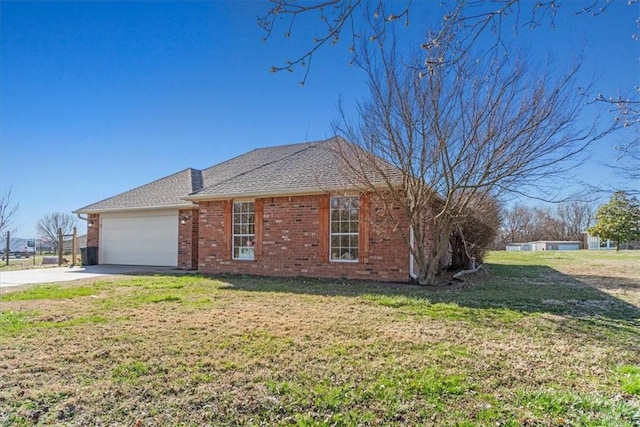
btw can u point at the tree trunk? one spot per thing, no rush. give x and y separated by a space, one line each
430 264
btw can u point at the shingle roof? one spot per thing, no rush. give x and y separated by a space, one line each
308 167
305 167
165 192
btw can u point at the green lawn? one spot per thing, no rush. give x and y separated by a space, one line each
534 339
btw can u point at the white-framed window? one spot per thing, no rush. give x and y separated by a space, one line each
244 230
344 229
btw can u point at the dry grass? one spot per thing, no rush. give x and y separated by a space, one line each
539 339
28 263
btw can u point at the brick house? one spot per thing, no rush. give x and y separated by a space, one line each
276 211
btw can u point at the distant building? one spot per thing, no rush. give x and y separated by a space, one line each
556 245
596 243
545 245
81 242
517 247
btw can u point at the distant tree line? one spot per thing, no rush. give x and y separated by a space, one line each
527 224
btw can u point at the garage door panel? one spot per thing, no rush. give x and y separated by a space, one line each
150 239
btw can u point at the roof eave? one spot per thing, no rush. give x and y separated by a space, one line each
207 197
262 194
137 209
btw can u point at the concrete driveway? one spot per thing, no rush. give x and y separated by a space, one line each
67 274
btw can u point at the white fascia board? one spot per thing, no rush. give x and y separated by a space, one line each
137 209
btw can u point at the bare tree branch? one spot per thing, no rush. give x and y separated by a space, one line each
469 19
49 224
8 212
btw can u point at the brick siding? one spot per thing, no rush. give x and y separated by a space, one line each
292 239
188 239
93 232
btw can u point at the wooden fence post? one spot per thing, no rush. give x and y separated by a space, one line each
74 247
60 246
8 247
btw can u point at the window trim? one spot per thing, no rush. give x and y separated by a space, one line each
252 249
357 234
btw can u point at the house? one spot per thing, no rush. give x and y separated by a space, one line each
595 242
277 211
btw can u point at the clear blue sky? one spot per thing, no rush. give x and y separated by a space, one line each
97 98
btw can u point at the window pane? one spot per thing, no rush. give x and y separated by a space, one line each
243 230
353 242
344 228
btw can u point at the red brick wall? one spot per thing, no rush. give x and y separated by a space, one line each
93 231
292 239
188 238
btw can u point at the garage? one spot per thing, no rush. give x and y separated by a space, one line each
141 238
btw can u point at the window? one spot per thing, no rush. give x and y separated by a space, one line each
244 233
345 214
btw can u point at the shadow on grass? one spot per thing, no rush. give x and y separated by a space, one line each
520 287
576 303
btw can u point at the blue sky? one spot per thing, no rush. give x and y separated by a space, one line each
99 97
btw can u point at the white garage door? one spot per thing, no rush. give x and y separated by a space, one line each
148 238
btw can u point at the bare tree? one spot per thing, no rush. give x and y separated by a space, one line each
518 225
481 125
576 217
8 212
627 164
546 225
49 224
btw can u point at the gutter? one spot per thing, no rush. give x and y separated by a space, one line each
137 209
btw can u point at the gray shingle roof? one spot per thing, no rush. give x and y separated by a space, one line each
308 167
165 192
297 168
